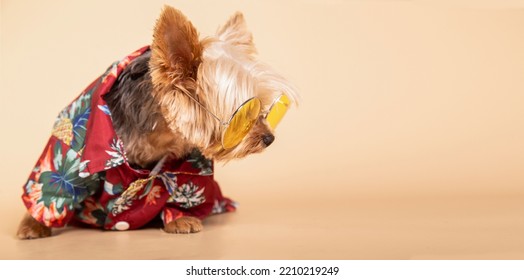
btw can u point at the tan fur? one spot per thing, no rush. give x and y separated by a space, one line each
29 228
152 147
221 72
236 33
184 225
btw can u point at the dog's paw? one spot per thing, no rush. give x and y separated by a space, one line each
184 225
30 229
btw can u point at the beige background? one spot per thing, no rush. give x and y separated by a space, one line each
409 142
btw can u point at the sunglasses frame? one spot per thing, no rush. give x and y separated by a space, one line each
266 113
226 124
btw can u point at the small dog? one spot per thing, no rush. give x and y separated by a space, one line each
140 141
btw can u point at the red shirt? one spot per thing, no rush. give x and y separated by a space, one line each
83 173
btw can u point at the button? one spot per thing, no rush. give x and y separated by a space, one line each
122 226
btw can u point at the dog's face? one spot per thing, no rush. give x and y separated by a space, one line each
200 84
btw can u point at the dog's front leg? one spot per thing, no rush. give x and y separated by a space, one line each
30 229
184 224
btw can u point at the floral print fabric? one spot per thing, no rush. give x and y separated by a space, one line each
83 174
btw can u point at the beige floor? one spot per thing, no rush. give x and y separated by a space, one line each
358 228
408 143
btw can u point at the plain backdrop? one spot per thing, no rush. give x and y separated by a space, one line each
408 142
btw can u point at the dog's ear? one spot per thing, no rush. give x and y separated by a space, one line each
235 32
176 51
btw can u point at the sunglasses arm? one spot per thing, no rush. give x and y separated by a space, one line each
204 107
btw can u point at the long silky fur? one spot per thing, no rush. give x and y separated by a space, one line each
152 111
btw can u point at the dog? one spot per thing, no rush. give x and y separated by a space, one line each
139 143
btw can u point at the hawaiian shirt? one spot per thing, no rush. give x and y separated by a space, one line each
83 174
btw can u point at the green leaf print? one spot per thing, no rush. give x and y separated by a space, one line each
63 185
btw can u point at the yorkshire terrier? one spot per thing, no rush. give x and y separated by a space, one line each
139 142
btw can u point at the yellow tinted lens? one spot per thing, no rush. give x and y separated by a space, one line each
241 123
277 111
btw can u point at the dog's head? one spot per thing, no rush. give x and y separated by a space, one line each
202 84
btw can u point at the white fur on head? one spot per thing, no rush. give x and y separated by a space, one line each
235 32
228 74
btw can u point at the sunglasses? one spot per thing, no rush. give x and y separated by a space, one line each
245 117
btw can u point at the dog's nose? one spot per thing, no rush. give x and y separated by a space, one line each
268 139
